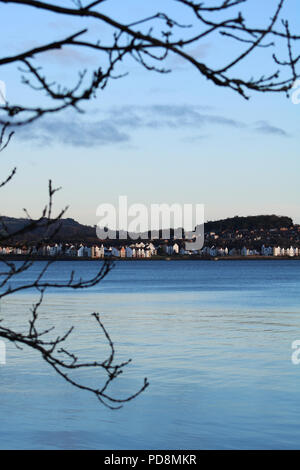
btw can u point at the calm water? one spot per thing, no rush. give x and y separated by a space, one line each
213 338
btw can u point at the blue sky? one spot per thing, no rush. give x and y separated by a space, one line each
155 138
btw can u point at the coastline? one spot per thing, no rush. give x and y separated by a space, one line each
153 258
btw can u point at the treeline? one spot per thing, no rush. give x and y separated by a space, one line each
252 222
71 231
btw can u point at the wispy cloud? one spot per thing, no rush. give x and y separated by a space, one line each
72 132
265 128
168 116
194 138
68 56
198 52
118 124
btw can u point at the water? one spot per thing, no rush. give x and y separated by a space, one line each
213 338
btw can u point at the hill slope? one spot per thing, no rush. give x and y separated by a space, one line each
74 232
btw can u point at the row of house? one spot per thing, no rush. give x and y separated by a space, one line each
137 250
264 251
145 250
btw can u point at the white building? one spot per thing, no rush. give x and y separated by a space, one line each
176 248
276 251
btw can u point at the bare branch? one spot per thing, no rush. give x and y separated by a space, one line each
143 41
52 348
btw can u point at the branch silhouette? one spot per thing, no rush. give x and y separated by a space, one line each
150 41
44 341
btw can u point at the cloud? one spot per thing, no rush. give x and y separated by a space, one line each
192 139
117 125
265 128
168 116
73 132
67 56
198 52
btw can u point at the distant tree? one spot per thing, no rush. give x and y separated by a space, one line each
161 251
249 223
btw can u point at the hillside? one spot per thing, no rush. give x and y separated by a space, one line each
74 232
69 231
255 222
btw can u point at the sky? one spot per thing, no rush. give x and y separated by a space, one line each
173 138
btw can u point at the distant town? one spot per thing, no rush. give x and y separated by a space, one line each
251 237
